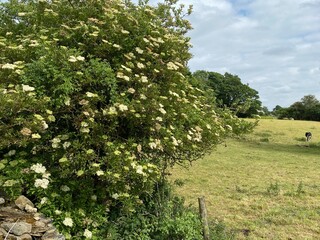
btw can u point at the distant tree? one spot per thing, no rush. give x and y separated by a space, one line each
296 111
308 108
276 108
279 112
265 111
230 92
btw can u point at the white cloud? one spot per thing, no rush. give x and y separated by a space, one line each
272 45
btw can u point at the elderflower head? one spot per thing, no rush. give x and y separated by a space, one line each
144 79
162 111
57 212
80 58
75 59
125 31
68 222
43 200
172 66
143 97
55 142
66 145
94 197
139 50
43 183
174 141
123 107
115 196
11 153
27 88
91 95
35 136
140 65
152 145
131 90
67 101
87 233
46 175
44 125
65 188
72 59
38 168
100 173
229 127
9 66
139 169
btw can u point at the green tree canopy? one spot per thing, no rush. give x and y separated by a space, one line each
230 92
308 108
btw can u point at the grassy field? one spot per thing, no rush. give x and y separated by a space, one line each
263 186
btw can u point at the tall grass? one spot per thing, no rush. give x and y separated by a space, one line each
265 185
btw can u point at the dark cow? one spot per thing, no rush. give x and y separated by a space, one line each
308 136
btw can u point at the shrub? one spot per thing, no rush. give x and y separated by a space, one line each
96 103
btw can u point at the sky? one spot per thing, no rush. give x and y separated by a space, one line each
272 45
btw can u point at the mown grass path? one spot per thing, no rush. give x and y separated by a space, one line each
265 185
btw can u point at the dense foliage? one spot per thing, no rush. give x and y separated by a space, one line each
96 104
308 108
230 92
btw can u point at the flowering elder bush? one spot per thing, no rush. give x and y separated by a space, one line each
96 103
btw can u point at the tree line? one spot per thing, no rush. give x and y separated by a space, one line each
308 108
229 92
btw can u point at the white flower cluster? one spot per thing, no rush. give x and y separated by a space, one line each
27 88
195 134
84 127
175 142
156 144
35 136
43 200
64 188
68 222
75 59
12 153
139 50
87 234
229 127
8 66
38 168
43 183
172 66
123 107
55 142
139 170
100 173
121 75
91 95
131 90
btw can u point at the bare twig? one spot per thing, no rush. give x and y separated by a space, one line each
11 229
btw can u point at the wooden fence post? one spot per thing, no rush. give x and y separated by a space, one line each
204 219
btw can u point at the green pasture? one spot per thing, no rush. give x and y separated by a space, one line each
264 185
